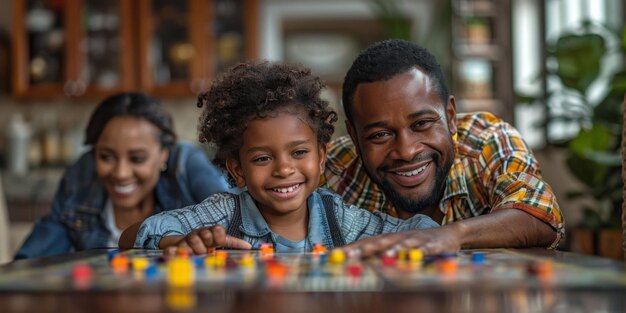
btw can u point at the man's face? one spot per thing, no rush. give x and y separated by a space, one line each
403 132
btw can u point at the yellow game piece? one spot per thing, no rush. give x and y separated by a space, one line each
180 272
247 260
402 255
337 256
220 258
210 261
140 263
416 255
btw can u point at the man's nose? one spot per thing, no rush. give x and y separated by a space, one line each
406 146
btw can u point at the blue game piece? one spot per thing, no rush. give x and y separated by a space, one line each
323 258
198 262
152 271
112 253
478 258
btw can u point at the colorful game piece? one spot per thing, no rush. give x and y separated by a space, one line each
388 260
543 268
151 272
140 264
111 254
82 275
447 266
416 255
478 258
318 248
337 256
247 260
180 272
182 252
210 261
355 270
267 249
120 263
220 258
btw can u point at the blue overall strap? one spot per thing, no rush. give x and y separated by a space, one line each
335 230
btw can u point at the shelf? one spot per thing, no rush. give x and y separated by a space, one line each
489 51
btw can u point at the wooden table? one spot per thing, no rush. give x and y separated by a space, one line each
578 284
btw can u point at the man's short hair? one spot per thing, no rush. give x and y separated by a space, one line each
386 59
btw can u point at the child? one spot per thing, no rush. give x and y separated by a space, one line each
270 127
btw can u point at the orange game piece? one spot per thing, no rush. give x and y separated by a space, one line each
182 252
120 263
319 248
447 266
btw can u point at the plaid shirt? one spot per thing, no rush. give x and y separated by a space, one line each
493 169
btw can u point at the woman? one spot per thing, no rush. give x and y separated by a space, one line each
135 168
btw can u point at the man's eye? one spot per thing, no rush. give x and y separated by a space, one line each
422 124
379 136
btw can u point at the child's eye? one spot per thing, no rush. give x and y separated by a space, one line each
261 159
300 153
105 157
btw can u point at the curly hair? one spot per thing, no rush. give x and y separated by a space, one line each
255 90
384 60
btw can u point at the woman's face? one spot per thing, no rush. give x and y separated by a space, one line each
129 159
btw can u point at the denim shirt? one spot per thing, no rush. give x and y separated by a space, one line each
218 209
77 220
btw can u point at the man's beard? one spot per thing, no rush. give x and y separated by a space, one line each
432 200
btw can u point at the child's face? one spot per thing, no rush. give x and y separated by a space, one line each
280 163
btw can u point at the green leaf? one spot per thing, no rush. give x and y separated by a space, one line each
578 58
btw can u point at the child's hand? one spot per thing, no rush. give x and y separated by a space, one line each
200 240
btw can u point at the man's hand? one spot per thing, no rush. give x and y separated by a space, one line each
200 240
505 228
431 241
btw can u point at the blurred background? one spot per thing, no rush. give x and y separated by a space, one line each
552 68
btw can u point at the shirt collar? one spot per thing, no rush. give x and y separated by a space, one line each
253 224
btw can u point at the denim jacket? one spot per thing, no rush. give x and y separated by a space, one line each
219 209
77 220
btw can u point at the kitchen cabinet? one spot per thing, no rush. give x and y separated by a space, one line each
91 48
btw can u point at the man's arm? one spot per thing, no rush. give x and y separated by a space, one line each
506 228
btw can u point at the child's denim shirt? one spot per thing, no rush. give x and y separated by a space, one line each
219 209
77 220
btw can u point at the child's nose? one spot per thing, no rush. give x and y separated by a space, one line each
283 169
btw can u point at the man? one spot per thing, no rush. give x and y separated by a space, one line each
409 153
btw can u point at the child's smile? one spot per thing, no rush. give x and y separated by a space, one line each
280 163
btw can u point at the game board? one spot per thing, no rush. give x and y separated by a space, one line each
297 272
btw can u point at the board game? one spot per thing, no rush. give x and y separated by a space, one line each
320 270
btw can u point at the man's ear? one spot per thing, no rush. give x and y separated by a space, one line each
236 172
451 115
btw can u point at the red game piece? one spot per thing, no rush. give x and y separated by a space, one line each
388 260
355 270
82 275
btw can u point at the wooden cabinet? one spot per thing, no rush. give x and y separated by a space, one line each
482 56
92 48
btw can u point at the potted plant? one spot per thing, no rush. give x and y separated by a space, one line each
593 154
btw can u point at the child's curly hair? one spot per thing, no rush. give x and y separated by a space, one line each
254 90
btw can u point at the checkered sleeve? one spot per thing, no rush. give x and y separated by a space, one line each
513 178
217 209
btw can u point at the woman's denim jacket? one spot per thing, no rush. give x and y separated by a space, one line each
77 220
